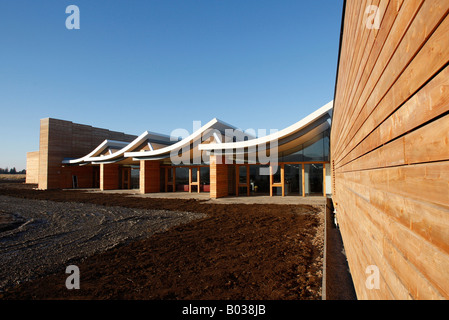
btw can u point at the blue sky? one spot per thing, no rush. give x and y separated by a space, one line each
158 65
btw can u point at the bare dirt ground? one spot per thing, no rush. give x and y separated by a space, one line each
43 235
235 251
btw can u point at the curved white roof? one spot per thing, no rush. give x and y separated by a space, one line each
101 147
318 118
213 125
286 139
95 157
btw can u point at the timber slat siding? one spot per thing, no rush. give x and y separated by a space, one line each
390 148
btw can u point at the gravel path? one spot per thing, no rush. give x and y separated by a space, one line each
48 235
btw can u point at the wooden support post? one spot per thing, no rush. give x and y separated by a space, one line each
109 176
149 176
324 179
218 177
303 181
282 180
198 177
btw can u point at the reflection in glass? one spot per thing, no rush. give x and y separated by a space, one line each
276 171
194 174
242 174
315 152
182 179
315 149
135 178
326 146
297 156
259 184
243 191
328 179
292 179
205 175
313 179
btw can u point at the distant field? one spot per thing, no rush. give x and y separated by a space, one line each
12 176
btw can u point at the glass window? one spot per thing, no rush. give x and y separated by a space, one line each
328 179
326 146
242 174
194 174
259 182
243 191
182 179
276 171
297 156
205 175
315 151
313 179
292 179
277 191
135 178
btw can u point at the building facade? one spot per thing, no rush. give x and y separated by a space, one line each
217 158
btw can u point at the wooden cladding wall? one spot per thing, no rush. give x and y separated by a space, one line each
390 148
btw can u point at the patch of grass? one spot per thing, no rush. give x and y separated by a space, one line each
18 176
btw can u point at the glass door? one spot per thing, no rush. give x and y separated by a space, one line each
204 179
277 180
313 179
170 179
242 180
125 178
293 179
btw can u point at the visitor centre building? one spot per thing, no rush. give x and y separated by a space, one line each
215 158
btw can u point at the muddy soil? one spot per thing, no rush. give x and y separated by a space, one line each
42 235
258 252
